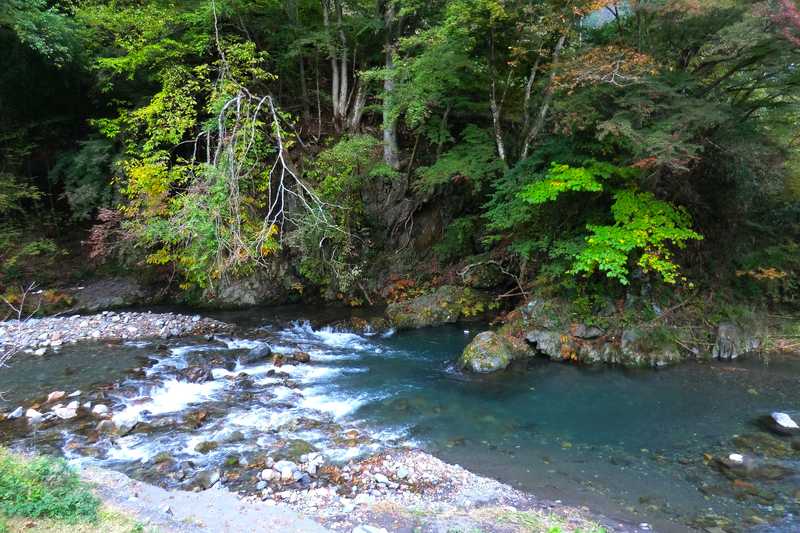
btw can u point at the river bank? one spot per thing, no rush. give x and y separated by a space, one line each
436 497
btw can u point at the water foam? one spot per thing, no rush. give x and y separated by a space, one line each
172 397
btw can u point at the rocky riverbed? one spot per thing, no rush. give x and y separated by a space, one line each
41 334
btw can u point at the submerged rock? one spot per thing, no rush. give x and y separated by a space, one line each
301 357
446 305
732 342
490 352
16 413
33 416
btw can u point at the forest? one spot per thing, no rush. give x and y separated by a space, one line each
580 147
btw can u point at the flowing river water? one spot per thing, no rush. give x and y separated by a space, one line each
632 444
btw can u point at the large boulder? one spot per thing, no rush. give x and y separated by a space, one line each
271 285
490 352
732 342
446 305
111 293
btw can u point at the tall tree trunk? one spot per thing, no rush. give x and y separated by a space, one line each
294 17
547 100
496 107
341 112
357 107
391 152
326 21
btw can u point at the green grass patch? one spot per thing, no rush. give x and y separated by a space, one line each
44 487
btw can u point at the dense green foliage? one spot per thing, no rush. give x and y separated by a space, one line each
44 487
581 144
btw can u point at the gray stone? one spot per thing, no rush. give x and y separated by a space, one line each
732 342
546 342
19 412
256 355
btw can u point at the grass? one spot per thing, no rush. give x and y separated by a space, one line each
539 522
44 487
44 494
108 521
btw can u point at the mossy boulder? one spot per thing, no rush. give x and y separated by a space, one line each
490 352
446 305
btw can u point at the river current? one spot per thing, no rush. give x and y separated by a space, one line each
638 445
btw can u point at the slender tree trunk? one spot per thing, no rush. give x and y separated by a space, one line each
494 106
526 104
548 98
326 20
390 148
357 107
304 91
341 112
294 17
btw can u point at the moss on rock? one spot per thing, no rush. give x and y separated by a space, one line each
489 352
446 305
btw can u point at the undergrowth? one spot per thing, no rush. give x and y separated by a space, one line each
44 487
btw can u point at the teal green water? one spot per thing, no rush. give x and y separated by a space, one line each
629 444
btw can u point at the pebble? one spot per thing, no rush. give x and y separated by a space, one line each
380 478
402 473
16 413
100 409
55 396
33 416
369 529
37 335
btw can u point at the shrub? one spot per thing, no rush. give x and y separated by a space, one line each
44 487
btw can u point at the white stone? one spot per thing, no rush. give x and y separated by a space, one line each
33 416
287 474
380 478
40 351
16 413
73 405
100 409
402 473
65 413
362 499
736 458
268 474
75 394
369 529
785 421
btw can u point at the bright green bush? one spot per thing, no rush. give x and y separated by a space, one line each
44 487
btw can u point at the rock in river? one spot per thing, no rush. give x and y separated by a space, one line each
257 354
781 424
489 352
